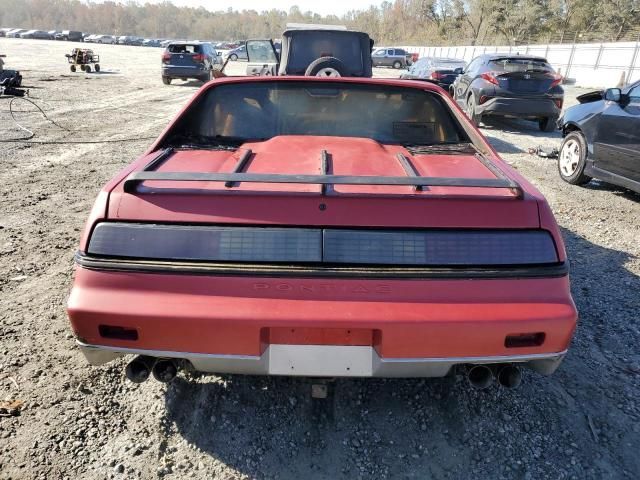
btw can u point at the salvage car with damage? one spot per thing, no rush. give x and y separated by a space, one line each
602 138
334 227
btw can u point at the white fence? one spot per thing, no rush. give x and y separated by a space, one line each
592 65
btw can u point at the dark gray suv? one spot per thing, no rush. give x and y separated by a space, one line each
188 60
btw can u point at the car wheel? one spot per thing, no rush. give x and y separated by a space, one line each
233 57
397 64
572 159
166 80
325 67
73 68
97 67
87 68
548 124
471 111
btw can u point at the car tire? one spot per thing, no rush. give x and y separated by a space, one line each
474 117
573 159
73 68
166 80
87 68
207 78
233 57
397 64
97 67
325 67
548 124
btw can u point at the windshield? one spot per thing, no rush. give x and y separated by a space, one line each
446 63
262 110
520 65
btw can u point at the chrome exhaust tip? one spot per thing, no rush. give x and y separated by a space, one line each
165 370
510 376
139 369
480 376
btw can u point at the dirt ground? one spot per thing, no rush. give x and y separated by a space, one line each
78 421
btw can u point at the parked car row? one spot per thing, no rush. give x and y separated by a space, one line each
76 36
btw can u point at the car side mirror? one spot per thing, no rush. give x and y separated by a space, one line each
459 71
613 95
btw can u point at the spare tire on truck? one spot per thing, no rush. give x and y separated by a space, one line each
325 67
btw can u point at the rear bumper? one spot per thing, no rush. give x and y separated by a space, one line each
183 72
324 361
519 107
233 323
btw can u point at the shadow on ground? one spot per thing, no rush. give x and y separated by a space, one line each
574 424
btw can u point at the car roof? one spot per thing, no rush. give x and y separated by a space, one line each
298 31
392 82
492 56
190 42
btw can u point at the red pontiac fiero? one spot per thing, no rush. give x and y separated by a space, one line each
322 227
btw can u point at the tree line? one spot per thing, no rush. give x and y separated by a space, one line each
417 22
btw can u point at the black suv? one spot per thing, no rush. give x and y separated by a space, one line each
189 60
316 52
507 85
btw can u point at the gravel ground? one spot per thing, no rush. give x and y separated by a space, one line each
69 420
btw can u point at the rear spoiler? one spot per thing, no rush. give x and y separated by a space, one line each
232 179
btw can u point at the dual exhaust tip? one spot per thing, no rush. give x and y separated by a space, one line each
482 376
141 367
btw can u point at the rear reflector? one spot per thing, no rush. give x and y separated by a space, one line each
119 333
315 245
524 340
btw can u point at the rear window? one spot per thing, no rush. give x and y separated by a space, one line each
520 65
184 48
262 110
443 62
309 46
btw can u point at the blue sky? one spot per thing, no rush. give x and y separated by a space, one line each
324 7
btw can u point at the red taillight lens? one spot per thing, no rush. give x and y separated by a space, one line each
198 57
557 80
166 57
490 77
437 76
558 102
484 98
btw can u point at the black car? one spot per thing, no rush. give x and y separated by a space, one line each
69 36
602 138
441 71
519 86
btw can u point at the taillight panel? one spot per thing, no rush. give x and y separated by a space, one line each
324 246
